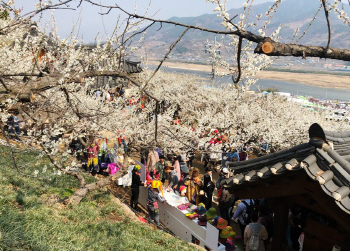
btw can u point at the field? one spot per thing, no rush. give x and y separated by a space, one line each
304 77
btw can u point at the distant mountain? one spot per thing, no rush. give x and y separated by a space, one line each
291 13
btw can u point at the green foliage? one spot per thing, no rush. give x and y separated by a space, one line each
31 217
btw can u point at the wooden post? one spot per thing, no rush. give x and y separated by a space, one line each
281 223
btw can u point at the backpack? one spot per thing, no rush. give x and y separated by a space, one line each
226 199
254 242
250 208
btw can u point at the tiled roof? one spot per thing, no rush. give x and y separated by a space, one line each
132 67
325 158
127 65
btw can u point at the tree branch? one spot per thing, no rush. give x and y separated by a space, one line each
77 79
11 150
328 25
80 193
74 174
4 85
165 57
295 50
139 32
235 81
118 74
309 25
280 49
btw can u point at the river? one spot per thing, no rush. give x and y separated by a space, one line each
282 86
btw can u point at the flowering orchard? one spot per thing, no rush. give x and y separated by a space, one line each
50 79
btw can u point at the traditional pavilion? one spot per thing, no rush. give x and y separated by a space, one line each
314 176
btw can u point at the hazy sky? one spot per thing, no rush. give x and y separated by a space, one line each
91 22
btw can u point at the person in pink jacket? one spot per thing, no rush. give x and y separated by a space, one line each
176 165
152 160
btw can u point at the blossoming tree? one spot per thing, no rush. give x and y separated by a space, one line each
50 80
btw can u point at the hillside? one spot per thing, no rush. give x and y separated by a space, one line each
292 14
33 217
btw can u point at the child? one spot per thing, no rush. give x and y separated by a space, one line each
183 190
152 202
93 158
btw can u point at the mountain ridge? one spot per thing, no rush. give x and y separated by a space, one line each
291 14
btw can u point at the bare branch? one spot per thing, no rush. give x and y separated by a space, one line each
164 21
308 27
235 81
4 85
80 2
328 25
161 26
28 16
295 50
20 75
311 51
11 149
106 13
139 32
165 57
77 79
122 75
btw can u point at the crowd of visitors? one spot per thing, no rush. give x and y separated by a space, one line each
254 218
175 173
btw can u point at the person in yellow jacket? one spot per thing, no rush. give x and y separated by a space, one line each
194 186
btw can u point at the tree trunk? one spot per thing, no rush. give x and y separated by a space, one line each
80 193
26 97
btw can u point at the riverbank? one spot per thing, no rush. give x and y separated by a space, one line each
319 80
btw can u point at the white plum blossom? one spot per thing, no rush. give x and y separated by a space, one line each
64 74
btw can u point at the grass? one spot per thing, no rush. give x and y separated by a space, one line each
31 217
